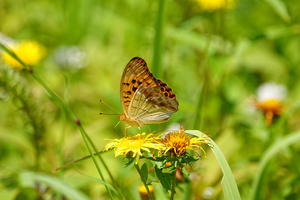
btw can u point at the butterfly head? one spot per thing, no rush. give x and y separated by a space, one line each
122 117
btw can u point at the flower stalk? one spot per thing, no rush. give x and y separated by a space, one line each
173 183
143 180
64 105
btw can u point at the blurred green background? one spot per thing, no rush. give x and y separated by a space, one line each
213 59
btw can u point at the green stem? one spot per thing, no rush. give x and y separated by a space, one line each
102 161
84 136
60 153
158 40
60 102
173 183
143 180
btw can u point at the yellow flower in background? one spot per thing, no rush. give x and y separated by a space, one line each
143 191
213 5
30 52
178 142
133 145
270 100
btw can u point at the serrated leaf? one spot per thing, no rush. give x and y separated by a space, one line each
129 162
144 170
169 169
156 159
165 179
183 169
189 159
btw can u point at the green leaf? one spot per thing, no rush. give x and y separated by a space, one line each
183 169
27 179
229 186
169 169
165 179
129 162
144 170
268 155
280 8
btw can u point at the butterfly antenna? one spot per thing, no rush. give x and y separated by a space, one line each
109 107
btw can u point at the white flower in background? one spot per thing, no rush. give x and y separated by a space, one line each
70 58
271 91
269 99
6 40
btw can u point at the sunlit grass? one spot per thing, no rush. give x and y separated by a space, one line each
214 61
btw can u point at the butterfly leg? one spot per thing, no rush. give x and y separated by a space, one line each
116 126
126 130
140 129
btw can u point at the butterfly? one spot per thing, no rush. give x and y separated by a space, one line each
145 99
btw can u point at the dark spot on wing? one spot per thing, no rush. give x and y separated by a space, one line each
126 97
134 88
165 94
133 81
162 104
162 89
128 92
172 95
139 82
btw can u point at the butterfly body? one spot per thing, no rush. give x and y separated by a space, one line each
145 99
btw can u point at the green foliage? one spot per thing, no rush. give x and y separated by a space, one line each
214 61
164 178
144 170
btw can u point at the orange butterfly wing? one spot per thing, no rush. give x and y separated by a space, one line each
144 98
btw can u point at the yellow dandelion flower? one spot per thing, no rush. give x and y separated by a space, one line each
178 142
30 52
213 5
269 100
133 145
143 191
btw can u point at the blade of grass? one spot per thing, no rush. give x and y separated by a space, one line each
137 167
75 162
229 185
28 178
268 155
280 8
60 102
158 40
